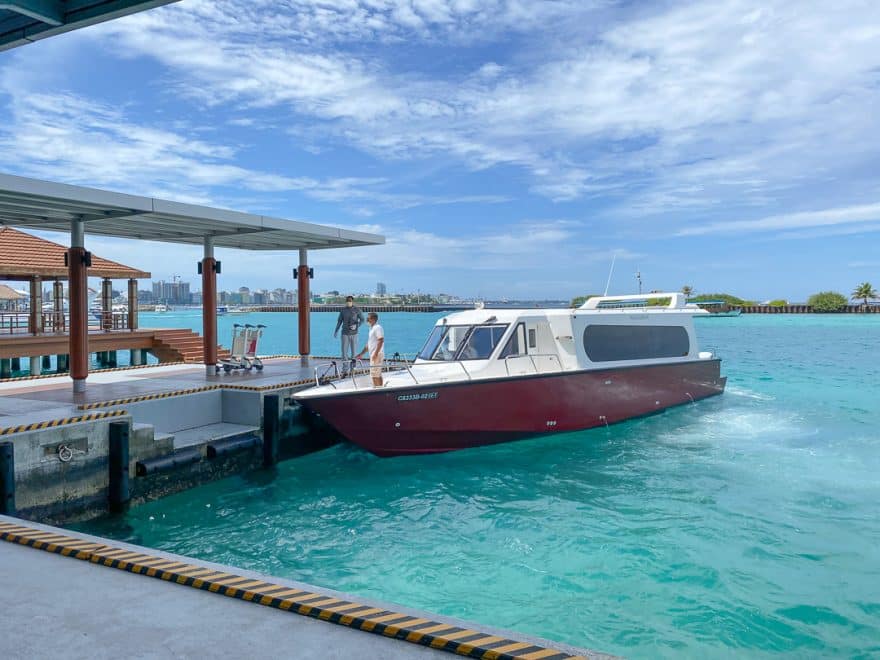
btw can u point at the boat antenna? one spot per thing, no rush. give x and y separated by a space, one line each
610 273
639 278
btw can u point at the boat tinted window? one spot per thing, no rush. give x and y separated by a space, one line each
481 342
607 343
516 345
433 342
444 342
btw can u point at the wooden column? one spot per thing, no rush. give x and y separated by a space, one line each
35 318
78 296
58 306
106 304
132 304
304 307
209 307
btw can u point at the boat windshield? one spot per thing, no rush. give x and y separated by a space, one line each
462 342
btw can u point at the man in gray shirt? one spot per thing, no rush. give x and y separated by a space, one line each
350 320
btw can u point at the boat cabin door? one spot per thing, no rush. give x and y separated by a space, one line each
537 348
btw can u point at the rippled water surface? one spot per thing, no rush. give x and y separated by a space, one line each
745 524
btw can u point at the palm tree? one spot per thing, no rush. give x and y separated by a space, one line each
864 291
687 290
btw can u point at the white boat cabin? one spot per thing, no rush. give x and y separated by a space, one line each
605 332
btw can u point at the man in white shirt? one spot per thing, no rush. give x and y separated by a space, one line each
376 347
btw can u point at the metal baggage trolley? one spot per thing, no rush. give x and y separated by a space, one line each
252 334
236 359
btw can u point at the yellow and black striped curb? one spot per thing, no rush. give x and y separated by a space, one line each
146 397
443 636
51 423
92 371
273 386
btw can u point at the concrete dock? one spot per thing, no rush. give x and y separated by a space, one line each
79 596
178 417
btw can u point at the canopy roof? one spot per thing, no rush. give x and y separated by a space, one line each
23 256
52 206
8 293
24 21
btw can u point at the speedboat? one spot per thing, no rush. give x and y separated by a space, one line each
489 376
718 308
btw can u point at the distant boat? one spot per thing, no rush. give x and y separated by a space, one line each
221 310
717 307
237 310
161 308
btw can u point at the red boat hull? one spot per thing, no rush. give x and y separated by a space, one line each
460 415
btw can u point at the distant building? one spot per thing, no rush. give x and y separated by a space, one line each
381 289
175 292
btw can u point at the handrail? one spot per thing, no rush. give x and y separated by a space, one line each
532 357
434 364
326 368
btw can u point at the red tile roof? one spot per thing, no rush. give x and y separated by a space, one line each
23 255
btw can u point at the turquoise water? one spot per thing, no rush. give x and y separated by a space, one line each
748 524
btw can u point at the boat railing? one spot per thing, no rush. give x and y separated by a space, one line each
408 366
531 356
326 374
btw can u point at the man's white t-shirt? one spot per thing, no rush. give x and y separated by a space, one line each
376 333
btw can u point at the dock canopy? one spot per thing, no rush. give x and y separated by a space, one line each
83 211
24 21
24 256
53 206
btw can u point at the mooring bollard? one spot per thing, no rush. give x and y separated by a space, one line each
119 493
271 428
7 479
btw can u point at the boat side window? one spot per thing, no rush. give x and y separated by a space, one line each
516 345
609 343
481 342
533 338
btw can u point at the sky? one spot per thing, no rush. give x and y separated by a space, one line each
505 148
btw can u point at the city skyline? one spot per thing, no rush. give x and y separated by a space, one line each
504 149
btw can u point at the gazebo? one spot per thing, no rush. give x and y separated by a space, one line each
29 258
9 298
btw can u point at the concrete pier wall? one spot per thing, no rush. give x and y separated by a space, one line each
186 427
62 472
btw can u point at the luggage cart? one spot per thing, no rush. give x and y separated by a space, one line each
236 359
252 334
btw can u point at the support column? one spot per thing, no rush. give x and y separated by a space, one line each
35 318
132 304
35 369
209 307
304 306
78 295
58 306
135 357
106 305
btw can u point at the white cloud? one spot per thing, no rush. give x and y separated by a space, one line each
692 106
66 137
864 213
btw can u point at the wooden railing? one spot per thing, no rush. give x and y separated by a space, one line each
18 323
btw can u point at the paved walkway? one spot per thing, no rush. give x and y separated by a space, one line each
62 607
26 401
59 607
